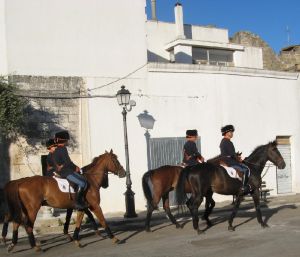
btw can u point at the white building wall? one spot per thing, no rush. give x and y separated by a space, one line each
159 34
75 37
3 56
251 57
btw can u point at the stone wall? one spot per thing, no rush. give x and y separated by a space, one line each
290 57
270 60
44 117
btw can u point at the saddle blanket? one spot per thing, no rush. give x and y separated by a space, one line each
232 172
64 185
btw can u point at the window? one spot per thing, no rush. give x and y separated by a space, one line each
212 56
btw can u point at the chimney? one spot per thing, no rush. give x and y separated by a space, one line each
153 10
179 21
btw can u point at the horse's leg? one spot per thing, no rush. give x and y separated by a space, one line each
150 208
31 217
256 199
99 214
67 223
194 210
79 219
5 228
14 237
209 206
166 205
92 220
234 211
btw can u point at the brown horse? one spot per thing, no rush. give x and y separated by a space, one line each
33 192
12 186
157 184
208 178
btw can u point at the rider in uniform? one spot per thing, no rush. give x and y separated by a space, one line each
191 155
67 169
51 146
230 157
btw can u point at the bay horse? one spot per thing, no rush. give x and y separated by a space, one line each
35 191
11 186
157 184
208 178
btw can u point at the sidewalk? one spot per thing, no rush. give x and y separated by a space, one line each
117 221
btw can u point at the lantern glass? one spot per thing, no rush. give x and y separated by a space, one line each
123 96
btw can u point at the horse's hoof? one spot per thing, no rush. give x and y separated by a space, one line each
4 240
78 244
231 228
199 231
209 224
148 230
178 225
264 225
115 240
10 248
69 238
37 248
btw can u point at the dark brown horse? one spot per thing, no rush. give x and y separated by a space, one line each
157 184
33 192
208 178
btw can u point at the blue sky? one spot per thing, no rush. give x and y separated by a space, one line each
267 18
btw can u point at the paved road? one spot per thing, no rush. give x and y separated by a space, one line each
249 239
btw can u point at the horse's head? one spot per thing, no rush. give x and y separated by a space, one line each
275 156
113 165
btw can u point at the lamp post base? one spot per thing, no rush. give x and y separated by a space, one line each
130 206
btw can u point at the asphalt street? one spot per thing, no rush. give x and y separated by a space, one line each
282 238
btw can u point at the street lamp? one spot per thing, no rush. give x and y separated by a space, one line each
123 97
147 122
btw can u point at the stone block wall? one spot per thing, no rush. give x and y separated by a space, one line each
58 108
270 60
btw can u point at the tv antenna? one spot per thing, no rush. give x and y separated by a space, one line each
288 34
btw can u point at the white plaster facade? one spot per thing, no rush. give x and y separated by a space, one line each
105 40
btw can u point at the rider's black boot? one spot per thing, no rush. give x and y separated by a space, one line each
80 201
246 187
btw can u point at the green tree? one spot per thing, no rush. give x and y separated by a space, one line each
12 110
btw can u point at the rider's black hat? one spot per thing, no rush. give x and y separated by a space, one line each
62 136
50 143
192 133
227 128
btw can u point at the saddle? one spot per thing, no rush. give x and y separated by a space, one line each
232 172
64 185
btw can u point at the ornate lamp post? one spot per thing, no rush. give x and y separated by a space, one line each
147 122
123 97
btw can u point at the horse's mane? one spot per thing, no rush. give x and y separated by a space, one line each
91 165
214 159
261 148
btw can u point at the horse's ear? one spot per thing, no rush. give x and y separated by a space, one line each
274 143
111 151
106 151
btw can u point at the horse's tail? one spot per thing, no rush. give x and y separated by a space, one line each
180 188
146 188
14 203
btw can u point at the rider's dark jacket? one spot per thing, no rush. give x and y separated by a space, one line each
228 152
50 165
191 154
61 157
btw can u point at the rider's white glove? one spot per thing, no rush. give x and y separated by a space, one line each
81 171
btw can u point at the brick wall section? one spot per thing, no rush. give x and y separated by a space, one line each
270 60
44 118
291 58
